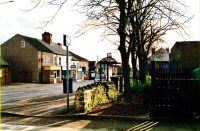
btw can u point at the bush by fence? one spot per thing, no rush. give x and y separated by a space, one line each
89 96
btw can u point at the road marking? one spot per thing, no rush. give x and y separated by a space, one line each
145 126
9 127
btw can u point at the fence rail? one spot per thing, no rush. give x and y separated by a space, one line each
175 73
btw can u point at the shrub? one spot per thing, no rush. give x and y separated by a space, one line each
140 88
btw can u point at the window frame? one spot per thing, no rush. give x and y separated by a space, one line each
23 44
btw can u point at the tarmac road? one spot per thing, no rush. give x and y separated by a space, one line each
14 123
24 91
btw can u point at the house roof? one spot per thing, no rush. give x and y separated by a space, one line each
183 43
108 60
159 55
76 57
41 45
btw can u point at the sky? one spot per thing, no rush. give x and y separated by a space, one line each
15 20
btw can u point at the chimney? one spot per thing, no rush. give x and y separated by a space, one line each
47 37
59 44
109 55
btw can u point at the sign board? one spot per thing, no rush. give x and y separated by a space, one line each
73 66
92 74
79 69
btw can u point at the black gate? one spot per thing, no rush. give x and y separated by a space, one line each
174 92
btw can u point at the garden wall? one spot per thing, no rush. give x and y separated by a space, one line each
89 96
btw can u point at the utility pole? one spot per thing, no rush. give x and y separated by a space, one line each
65 42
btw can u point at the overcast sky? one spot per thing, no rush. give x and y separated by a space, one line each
68 21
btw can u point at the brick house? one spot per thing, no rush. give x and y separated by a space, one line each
186 54
79 67
34 60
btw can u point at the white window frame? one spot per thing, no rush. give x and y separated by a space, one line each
23 44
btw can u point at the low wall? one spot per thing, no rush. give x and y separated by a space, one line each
89 96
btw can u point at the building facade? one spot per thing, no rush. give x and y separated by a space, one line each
35 60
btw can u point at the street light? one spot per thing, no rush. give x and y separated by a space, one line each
7 2
67 42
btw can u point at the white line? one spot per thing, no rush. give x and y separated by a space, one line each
149 126
138 125
143 126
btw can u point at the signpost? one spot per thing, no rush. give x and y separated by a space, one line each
66 42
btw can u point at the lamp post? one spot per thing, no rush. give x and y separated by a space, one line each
66 42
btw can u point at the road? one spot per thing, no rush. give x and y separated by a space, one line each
24 91
11 123
13 96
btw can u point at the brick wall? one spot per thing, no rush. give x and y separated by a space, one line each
21 59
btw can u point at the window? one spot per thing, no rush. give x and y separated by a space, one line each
48 59
55 61
23 44
43 59
58 73
59 60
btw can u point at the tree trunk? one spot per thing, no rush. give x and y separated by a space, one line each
142 69
122 48
126 74
134 65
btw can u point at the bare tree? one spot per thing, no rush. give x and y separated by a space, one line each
112 16
150 20
138 23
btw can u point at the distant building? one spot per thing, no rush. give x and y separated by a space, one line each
161 57
79 67
186 54
35 60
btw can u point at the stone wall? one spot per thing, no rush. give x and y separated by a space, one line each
89 96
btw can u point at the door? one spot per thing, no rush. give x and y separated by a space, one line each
55 76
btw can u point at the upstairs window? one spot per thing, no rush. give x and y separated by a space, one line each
59 60
23 44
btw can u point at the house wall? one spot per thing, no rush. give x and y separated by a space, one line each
23 61
186 54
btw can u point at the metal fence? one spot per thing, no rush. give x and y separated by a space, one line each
174 92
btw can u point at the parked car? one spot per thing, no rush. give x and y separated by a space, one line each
97 78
